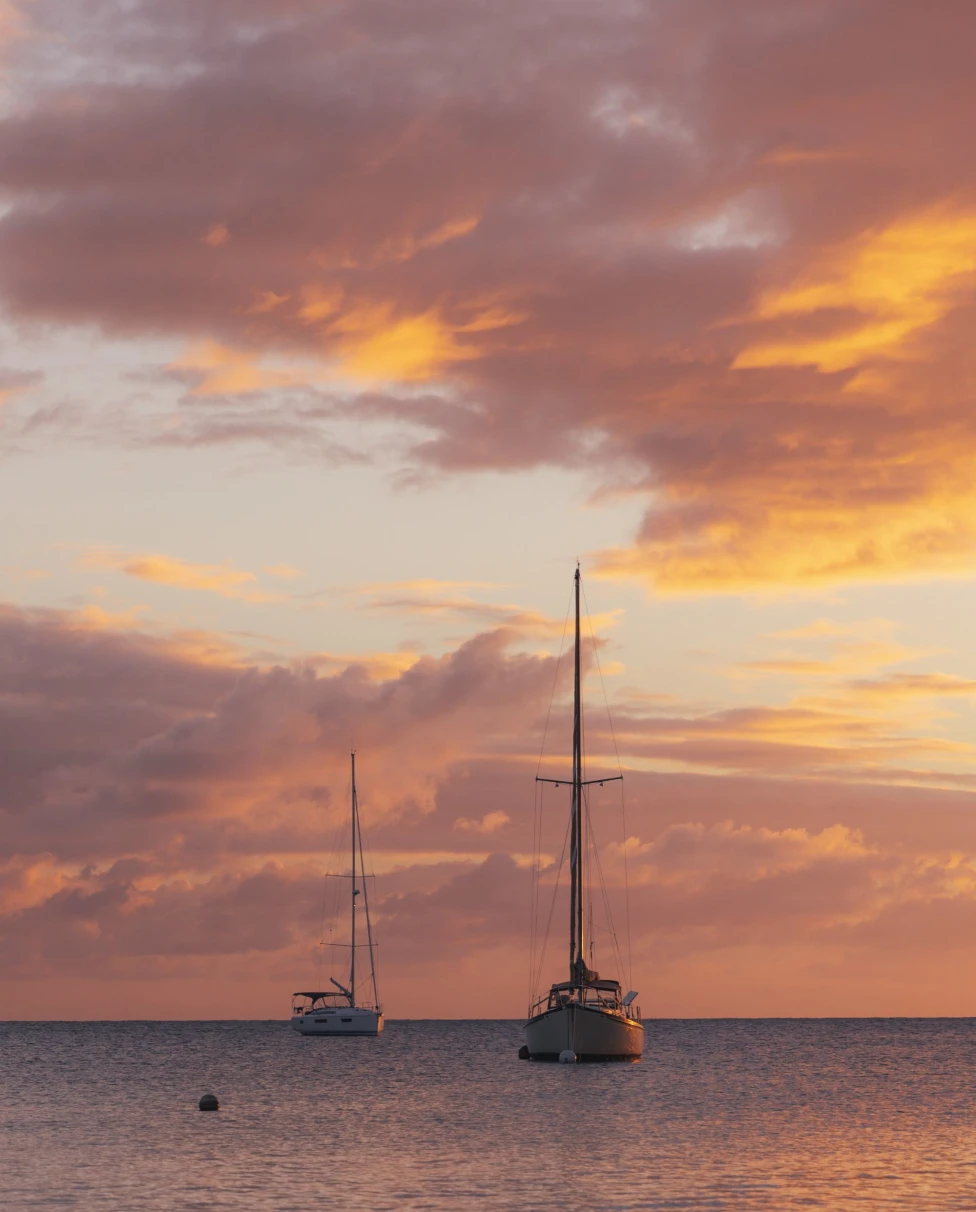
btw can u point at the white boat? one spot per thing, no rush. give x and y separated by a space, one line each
583 1018
345 1009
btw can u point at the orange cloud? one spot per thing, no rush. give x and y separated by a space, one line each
375 343
887 284
222 579
794 538
225 371
378 666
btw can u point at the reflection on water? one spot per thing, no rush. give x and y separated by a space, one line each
742 1115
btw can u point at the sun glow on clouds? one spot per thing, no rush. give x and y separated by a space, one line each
783 541
236 776
888 727
363 341
376 345
658 259
884 287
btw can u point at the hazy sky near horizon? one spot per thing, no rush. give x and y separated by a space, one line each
331 336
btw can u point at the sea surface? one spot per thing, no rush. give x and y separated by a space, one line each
739 1114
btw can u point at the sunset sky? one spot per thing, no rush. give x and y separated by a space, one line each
331 336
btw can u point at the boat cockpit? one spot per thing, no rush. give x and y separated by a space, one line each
595 994
317 1001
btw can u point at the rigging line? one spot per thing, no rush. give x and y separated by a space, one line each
371 874
335 860
552 692
630 946
537 810
332 853
552 905
623 799
611 927
603 685
537 883
325 894
369 928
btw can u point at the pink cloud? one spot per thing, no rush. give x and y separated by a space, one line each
160 810
662 247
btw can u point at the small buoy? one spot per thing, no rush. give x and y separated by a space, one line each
524 1052
209 1103
567 1057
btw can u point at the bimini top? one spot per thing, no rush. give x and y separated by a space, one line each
316 995
608 986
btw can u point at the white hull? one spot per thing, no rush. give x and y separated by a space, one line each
591 1033
339 1022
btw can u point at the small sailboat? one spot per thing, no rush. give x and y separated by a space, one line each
343 1010
583 1018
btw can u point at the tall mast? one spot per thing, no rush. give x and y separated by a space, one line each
355 890
577 953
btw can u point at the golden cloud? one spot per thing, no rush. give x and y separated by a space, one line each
378 666
793 537
374 343
885 285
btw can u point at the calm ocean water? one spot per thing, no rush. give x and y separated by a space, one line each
772 1115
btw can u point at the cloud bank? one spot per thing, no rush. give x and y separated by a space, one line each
168 814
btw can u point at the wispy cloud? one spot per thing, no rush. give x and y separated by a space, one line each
491 822
222 579
421 599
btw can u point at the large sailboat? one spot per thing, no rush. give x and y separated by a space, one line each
583 1018
346 1009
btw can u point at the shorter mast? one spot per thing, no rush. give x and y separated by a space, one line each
369 928
355 890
